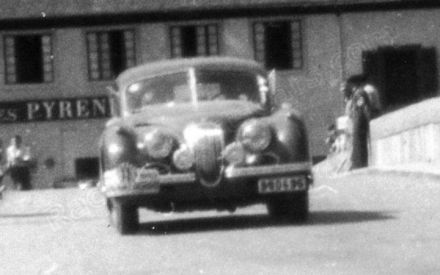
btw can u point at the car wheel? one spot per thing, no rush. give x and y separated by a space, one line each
294 208
124 217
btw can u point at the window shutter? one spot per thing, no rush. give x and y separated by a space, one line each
92 44
201 41
10 62
105 55
129 48
213 40
259 34
176 38
296 44
46 48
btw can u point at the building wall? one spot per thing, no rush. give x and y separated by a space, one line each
62 141
315 90
236 35
333 46
153 42
369 30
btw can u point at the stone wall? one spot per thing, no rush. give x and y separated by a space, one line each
409 135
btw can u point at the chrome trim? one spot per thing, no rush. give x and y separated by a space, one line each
267 170
127 192
206 140
177 178
164 180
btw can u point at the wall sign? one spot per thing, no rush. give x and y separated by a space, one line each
54 109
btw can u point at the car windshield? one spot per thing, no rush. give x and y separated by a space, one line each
195 86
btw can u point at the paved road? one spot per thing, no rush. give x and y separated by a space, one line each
360 224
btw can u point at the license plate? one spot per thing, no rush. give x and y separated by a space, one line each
282 184
147 179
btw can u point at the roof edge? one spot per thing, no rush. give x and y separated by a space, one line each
200 13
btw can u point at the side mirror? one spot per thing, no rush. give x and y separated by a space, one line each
114 100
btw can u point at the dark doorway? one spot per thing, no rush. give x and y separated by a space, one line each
401 86
87 168
403 75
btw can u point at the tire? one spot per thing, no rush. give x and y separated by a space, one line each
294 208
124 217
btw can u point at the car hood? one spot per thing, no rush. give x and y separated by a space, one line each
227 113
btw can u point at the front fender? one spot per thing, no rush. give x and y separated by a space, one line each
118 145
290 134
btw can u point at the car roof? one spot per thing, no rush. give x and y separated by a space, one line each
175 65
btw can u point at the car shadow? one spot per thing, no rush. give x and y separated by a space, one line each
245 222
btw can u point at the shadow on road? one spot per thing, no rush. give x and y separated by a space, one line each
243 222
27 215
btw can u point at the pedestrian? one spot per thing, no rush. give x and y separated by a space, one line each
361 115
18 163
358 97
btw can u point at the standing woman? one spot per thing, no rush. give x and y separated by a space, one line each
359 111
361 115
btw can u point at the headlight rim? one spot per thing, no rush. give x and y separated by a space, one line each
156 137
183 149
263 129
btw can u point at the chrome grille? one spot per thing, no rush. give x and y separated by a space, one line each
207 142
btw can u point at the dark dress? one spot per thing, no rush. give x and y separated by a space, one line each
361 112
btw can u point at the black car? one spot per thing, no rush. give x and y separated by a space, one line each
201 133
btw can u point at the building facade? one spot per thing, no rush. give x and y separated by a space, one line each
58 57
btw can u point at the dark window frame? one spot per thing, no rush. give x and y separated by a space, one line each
46 55
296 37
96 71
211 39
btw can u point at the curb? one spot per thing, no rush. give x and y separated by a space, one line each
391 171
428 172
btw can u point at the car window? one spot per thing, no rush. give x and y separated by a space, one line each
217 85
158 90
209 85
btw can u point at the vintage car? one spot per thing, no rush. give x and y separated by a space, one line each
201 133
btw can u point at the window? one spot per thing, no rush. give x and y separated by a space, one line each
28 58
109 53
191 41
278 44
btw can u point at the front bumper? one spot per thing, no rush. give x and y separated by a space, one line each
116 185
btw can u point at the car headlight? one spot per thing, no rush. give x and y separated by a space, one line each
156 144
234 153
254 135
183 158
